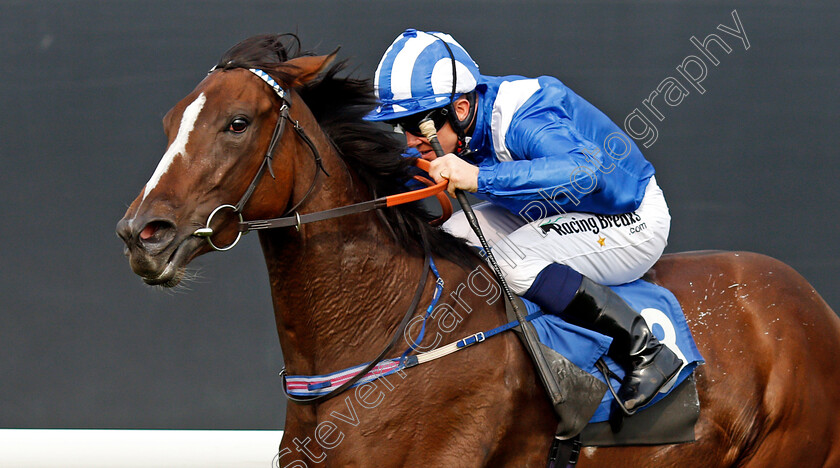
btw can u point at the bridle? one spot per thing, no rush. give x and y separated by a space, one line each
291 217
297 219
279 128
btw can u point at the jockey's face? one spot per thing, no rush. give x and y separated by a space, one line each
446 134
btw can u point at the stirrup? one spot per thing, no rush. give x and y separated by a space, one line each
616 418
601 365
609 375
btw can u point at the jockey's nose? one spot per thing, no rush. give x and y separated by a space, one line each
412 140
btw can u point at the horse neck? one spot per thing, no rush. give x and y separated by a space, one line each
340 286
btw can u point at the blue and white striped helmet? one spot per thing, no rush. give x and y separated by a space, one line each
415 74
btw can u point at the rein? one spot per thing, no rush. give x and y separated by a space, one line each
390 346
297 219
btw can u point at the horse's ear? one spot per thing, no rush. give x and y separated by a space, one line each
309 68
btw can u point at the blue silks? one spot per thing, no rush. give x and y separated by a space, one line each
584 347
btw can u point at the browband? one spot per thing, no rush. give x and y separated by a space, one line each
268 79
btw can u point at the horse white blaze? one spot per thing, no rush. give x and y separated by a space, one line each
179 145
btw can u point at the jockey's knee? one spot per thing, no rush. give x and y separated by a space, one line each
520 276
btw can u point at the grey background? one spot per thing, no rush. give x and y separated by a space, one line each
748 165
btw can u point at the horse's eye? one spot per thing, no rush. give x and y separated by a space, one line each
238 125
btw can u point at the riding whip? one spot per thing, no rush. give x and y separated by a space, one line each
427 126
574 393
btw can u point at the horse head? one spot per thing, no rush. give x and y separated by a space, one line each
219 137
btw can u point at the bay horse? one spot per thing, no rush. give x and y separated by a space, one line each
339 287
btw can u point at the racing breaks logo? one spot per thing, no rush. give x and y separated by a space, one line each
594 224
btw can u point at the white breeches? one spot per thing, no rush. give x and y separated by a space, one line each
609 249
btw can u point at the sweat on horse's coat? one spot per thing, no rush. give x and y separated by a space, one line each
767 390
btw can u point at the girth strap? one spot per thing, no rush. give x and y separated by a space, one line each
564 453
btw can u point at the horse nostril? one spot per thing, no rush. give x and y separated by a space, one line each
149 230
155 235
155 231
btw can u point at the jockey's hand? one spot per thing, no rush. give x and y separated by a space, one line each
460 174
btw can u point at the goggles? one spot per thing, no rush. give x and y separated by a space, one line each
411 123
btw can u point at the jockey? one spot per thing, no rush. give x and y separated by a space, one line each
571 203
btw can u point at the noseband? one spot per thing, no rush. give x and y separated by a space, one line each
207 232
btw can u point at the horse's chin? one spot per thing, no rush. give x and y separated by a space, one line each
170 277
173 270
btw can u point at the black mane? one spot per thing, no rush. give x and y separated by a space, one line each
340 105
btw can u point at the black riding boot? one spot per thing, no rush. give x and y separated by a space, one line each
649 364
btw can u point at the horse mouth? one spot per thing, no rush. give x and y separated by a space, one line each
174 268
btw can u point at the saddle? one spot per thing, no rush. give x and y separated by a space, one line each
576 395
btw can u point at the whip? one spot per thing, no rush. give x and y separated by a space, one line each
427 126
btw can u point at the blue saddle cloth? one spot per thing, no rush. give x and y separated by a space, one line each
584 347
